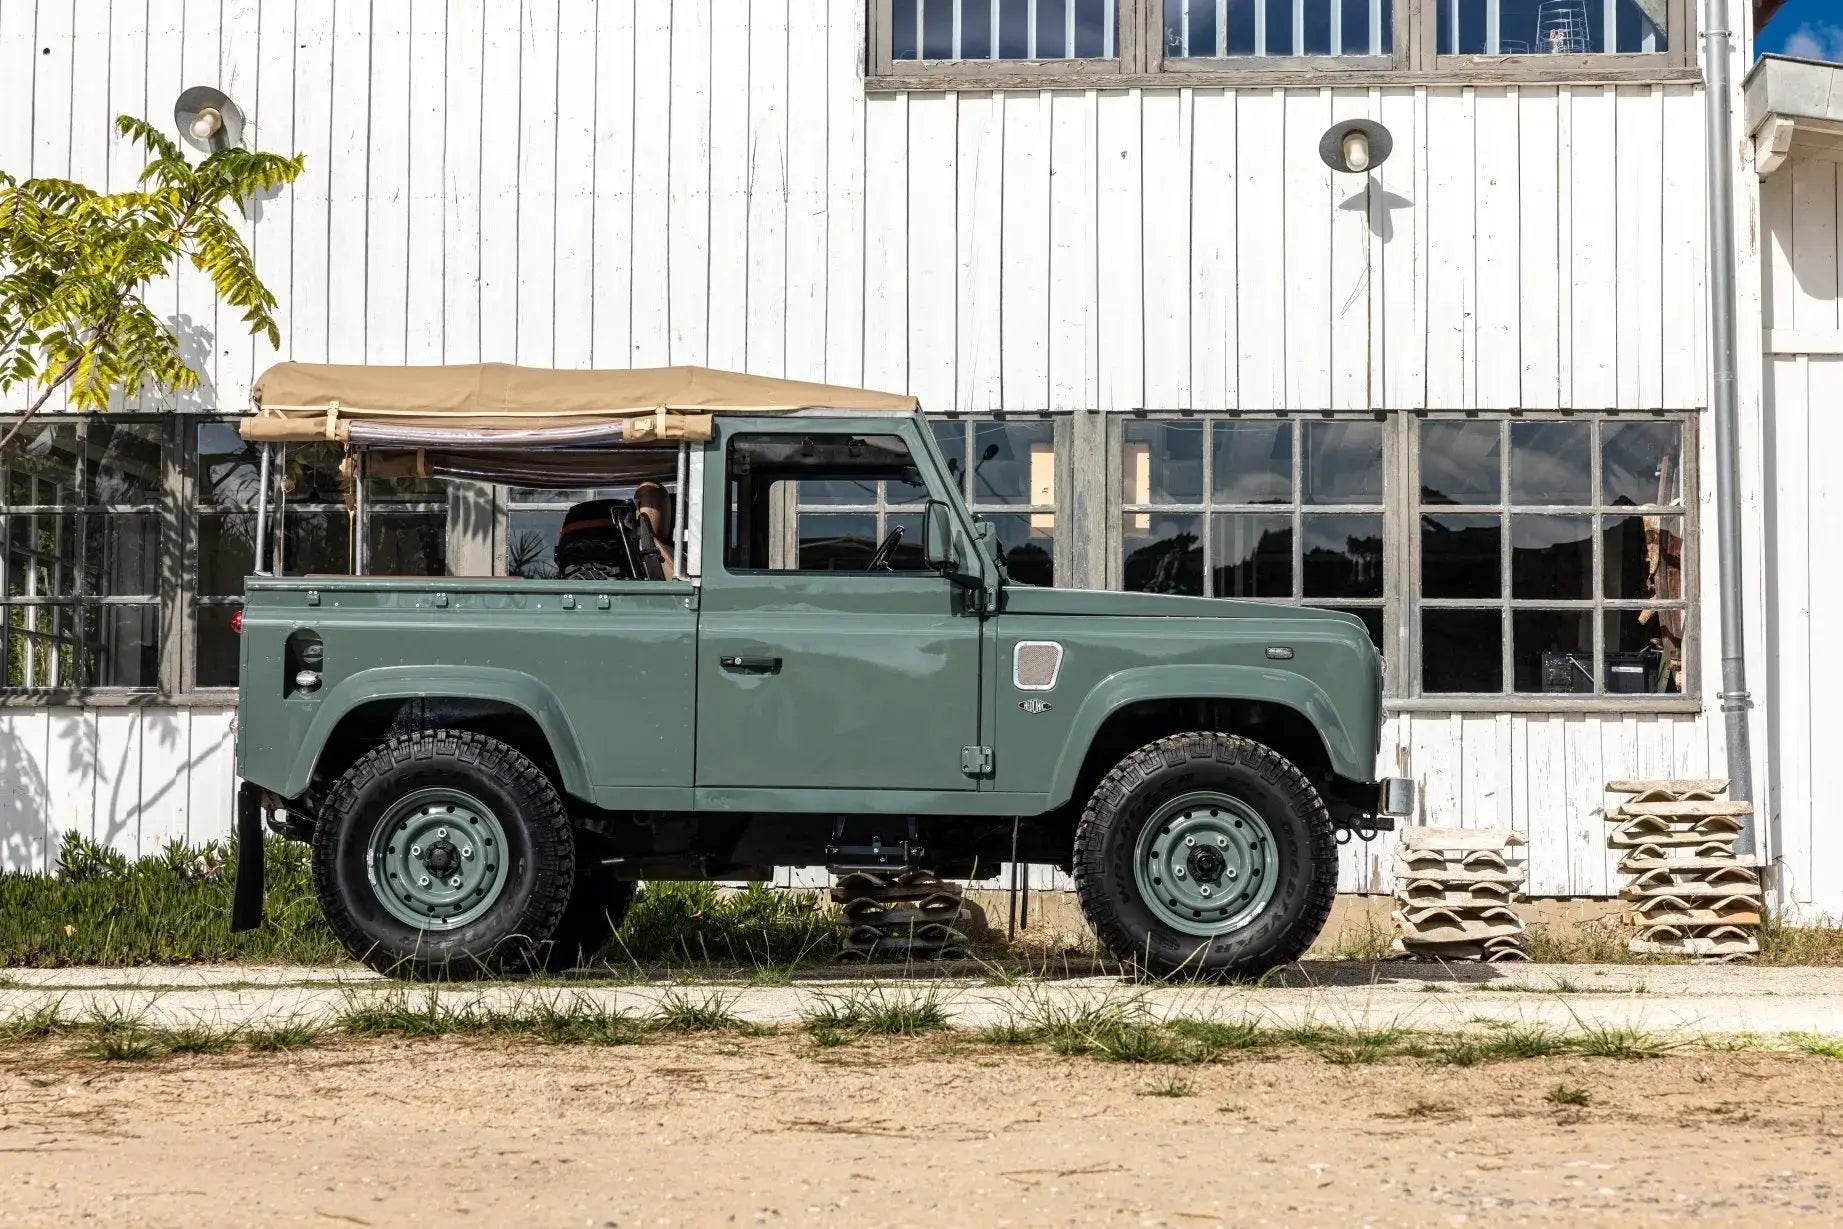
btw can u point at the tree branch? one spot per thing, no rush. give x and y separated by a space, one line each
62 378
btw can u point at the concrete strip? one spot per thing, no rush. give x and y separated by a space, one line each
1684 1001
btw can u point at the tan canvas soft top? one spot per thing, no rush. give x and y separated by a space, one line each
498 404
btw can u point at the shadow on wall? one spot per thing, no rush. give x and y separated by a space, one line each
25 804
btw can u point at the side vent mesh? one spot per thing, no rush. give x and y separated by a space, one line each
1035 664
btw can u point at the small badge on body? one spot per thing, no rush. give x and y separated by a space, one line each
1034 705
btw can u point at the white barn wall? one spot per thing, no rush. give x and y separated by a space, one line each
1802 223
563 182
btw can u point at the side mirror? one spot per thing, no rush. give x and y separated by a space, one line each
937 537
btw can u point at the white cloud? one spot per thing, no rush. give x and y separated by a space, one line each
1814 42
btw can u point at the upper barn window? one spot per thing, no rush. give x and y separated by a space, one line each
984 44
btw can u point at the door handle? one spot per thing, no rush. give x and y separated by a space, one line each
750 665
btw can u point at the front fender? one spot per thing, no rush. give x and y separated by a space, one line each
1349 740
511 687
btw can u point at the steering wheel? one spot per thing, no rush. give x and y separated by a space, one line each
880 561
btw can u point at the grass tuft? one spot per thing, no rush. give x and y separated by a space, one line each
1606 1041
113 1034
873 1010
1823 1047
1568 1095
1172 1085
280 1038
680 1013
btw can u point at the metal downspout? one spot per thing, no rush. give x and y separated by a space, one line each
1735 701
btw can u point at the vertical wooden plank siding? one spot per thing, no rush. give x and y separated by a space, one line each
1121 223
845 193
1166 204
808 146
886 246
1592 257
730 184
461 185
1539 289
766 350
1214 274
612 240
978 299
933 248
1348 363
688 176
426 294
1500 248
1260 257
1025 252
573 291
655 38
536 182
387 187
1073 240
1452 288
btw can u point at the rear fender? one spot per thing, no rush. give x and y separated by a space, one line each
1350 744
510 687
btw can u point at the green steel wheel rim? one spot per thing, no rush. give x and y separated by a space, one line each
437 859
1205 864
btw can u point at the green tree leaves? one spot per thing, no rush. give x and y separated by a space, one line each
75 264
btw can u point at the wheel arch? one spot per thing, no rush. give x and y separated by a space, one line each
1287 712
508 705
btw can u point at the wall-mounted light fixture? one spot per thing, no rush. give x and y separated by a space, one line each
1355 146
207 119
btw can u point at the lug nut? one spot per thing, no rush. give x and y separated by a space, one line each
1205 891
422 881
1230 872
467 851
441 832
1179 872
455 882
1223 841
1190 840
415 851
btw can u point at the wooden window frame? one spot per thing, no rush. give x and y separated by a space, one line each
1401 602
1413 60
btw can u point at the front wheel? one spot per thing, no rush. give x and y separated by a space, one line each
1205 854
444 854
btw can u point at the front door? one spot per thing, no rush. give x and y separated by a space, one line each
829 656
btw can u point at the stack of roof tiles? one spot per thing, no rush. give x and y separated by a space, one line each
1455 894
1688 892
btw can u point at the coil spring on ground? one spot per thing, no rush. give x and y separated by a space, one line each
900 915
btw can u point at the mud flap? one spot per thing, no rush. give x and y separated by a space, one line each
246 896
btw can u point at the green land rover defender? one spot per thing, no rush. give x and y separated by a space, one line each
486 766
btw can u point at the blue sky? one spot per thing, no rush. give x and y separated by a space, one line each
1809 28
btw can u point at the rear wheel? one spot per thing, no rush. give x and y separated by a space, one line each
1206 854
444 854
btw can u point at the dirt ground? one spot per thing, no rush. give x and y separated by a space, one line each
929 1132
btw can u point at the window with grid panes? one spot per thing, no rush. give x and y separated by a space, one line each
86 539
1288 510
1553 27
1006 470
1551 556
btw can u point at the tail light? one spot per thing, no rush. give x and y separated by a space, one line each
236 621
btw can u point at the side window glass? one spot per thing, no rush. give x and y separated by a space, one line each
824 502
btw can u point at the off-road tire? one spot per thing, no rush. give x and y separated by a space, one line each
1125 800
512 935
598 905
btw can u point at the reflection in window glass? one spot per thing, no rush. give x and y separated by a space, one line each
1253 555
1342 555
1341 463
1551 557
1460 462
1028 541
1164 553
1002 30
1462 651
1251 462
1462 556
1641 463
122 646
1551 462
1552 27
1206 29
1163 462
214 663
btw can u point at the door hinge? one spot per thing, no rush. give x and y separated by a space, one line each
976 761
